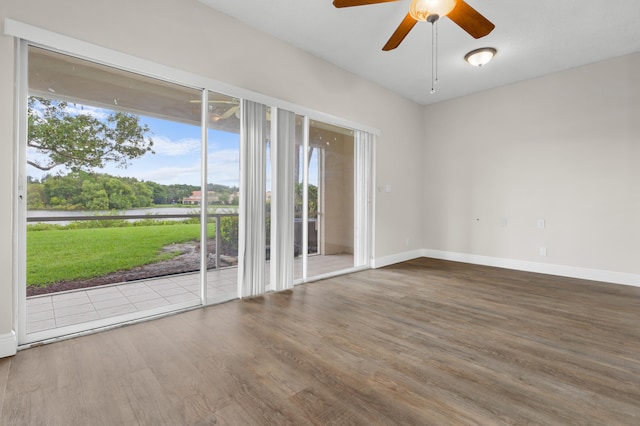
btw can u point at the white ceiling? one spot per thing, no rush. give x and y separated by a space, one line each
533 38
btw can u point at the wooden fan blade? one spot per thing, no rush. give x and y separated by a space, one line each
470 20
349 3
401 32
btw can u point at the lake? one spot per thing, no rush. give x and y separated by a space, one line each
150 211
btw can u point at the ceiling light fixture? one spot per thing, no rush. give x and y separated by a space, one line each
420 10
480 57
431 11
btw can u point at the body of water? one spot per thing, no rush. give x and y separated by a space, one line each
151 211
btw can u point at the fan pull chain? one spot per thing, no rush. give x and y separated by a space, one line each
434 51
435 25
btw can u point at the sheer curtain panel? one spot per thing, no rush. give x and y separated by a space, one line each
282 198
251 244
363 211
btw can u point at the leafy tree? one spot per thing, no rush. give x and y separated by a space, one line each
121 196
64 191
223 197
143 194
159 192
83 142
94 196
312 197
229 235
35 196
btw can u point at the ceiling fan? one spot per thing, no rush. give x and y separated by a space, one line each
221 109
458 11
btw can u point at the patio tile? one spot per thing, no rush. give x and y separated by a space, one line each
40 307
38 300
103 289
58 304
172 291
183 297
73 310
137 298
131 286
110 303
76 319
192 287
150 304
116 310
135 290
33 327
185 277
39 316
101 294
164 285
188 283
68 296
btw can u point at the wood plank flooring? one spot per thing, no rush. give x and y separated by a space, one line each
423 342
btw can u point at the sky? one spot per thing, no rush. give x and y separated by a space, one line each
176 159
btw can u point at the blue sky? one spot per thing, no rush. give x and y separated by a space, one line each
177 155
176 160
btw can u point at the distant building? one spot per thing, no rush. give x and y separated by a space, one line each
196 198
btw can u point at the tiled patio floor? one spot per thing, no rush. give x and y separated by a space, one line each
58 310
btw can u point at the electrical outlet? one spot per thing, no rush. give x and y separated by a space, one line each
542 251
541 224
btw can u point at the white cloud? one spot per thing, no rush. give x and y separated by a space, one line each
224 167
165 146
172 175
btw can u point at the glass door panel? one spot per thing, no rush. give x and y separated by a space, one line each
223 195
299 200
267 189
112 166
330 156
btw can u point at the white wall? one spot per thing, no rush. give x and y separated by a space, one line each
191 37
7 345
564 148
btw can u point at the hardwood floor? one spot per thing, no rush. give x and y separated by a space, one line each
423 342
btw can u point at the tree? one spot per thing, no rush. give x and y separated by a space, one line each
312 196
35 196
83 142
94 196
64 191
121 196
159 193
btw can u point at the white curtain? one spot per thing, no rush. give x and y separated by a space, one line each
251 235
363 206
283 126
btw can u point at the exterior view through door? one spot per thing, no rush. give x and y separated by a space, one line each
124 176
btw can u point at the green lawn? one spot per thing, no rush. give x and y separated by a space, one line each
70 254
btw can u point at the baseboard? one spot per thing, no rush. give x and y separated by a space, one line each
396 258
542 268
8 344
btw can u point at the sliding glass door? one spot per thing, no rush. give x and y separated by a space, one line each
142 197
113 181
330 158
222 196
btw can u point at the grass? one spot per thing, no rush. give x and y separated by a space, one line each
70 254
